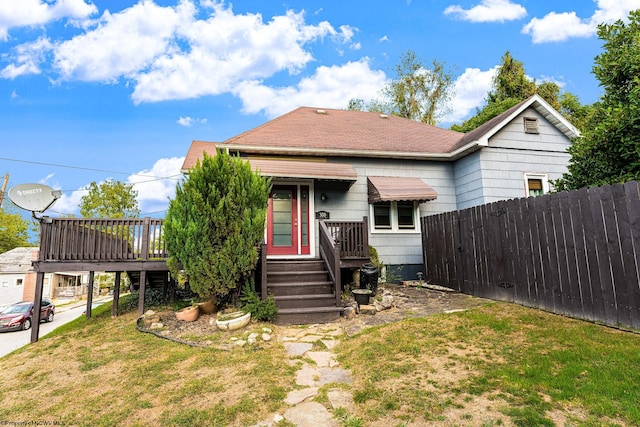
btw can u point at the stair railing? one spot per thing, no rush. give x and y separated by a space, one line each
330 253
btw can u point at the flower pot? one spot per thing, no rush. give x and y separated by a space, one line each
207 307
362 296
233 321
188 314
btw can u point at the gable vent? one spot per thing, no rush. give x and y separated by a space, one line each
531 125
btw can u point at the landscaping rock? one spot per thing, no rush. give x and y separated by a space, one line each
340 399
294 349
368 309
310 414
298 396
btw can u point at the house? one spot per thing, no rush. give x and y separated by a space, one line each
337 165
18 279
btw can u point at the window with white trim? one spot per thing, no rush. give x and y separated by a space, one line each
536 184
401 216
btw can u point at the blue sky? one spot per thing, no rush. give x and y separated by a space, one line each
98 89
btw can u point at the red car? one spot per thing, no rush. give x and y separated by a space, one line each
19 316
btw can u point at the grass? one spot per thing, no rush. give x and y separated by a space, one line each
527 367
496 365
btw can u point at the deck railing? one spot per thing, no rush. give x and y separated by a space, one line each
352 237
82 239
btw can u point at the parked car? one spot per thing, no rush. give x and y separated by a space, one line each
19 316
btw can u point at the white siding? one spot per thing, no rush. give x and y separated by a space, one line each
497 172
468 176
400 248
9 292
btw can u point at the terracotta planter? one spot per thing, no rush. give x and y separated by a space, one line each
188 314
207 307
233 321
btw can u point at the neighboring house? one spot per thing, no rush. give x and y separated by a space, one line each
18 279
346 165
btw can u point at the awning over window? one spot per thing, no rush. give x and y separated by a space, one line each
391 188
304 169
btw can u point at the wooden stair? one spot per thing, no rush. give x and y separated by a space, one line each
303 292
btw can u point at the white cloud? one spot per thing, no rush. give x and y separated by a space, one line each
155 186
23 13
558 27
227 49
189 121
27 58
555 27
471 90
185 121
154 193
69 203
122 44
488 11
330 87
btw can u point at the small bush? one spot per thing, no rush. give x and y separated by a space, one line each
261 309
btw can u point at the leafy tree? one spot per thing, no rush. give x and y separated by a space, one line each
215 224
416 92
487 113
571 108
609 149
511 81
511 86
110 199
14 231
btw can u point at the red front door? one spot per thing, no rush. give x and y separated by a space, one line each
288 220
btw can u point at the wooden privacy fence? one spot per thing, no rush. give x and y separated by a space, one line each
574 253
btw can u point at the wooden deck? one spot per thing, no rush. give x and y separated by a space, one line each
136 246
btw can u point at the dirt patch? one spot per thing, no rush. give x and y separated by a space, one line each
409 300
412 301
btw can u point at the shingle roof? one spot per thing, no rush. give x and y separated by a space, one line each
18 260
330 132
337 130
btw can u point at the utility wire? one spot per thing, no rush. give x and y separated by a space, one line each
81 168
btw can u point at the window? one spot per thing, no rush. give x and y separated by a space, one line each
531 125
394 216
18 282
536 185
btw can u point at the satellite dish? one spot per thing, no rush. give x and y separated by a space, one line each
34 197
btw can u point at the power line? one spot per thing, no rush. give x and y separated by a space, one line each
81 168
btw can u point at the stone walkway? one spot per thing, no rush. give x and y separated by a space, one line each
309 348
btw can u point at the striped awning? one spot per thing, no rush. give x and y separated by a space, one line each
391 188
304 169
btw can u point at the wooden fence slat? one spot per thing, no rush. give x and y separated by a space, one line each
632 193
602 207
575 253
618 233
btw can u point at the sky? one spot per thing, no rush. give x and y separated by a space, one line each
92 90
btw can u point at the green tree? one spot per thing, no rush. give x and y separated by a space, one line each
511 86
110 199
510 81
608 151
416 92
14 231
215 224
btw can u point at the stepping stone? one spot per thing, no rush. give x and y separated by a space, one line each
330 344
322 358
315 377
294 349
310 414
340 398
298 396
